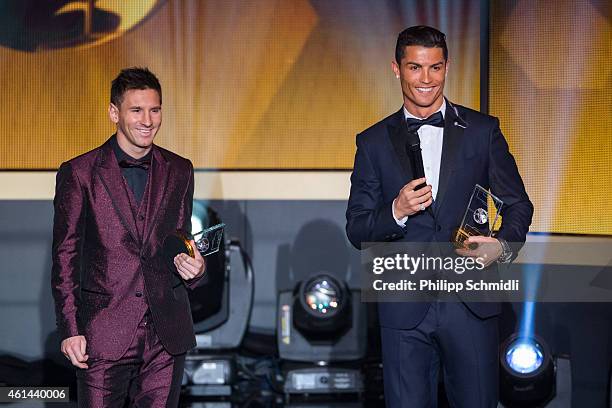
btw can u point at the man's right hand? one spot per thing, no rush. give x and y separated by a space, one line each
74 350
409 201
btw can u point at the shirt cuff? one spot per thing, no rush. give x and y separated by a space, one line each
400 222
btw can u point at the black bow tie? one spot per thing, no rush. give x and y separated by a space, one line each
434 120
130 163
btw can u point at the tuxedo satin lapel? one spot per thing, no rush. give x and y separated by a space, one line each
450 148
398 134
158 181
110 174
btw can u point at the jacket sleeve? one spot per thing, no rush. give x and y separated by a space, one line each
506 183
368 217
68 230
184 219
184 223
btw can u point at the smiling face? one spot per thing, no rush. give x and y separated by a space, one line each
138 118
422 72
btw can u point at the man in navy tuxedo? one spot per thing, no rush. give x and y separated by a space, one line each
460 148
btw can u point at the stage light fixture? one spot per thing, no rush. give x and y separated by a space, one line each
210 302
322 307
524 357
221 309
321 296
321 336
211 371
527 372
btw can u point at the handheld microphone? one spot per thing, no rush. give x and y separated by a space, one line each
413 149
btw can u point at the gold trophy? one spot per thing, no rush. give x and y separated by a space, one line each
207 242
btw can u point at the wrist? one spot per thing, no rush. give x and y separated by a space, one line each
399 219
506 252
395 211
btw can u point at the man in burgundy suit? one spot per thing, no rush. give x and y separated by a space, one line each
123 314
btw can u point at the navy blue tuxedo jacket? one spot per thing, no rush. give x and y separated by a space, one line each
474 152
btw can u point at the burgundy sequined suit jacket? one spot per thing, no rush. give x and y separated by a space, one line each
107 267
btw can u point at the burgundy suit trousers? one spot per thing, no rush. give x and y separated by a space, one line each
145 376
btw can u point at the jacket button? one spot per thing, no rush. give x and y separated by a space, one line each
143 258
438 228
141 217
138 294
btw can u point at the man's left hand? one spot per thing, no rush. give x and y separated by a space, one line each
488 250
188 267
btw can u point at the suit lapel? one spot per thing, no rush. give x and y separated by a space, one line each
109 172
453 132
398 134
158 181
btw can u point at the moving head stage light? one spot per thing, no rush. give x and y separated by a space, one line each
323 322
221 309
527 372
322 309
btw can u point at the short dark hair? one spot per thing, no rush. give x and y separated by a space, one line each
133 78
420 35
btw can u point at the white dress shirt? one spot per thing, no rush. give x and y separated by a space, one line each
431 138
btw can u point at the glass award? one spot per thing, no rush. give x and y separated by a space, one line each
207 242
481 216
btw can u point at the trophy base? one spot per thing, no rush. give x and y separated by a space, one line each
177 243
460 236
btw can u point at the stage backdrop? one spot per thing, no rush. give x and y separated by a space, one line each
256 84
551 75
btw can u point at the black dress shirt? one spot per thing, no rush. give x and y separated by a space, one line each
135 177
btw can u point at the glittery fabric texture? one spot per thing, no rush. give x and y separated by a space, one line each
146 376
107 265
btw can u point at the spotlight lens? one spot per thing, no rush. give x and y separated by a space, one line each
524 356
322 296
